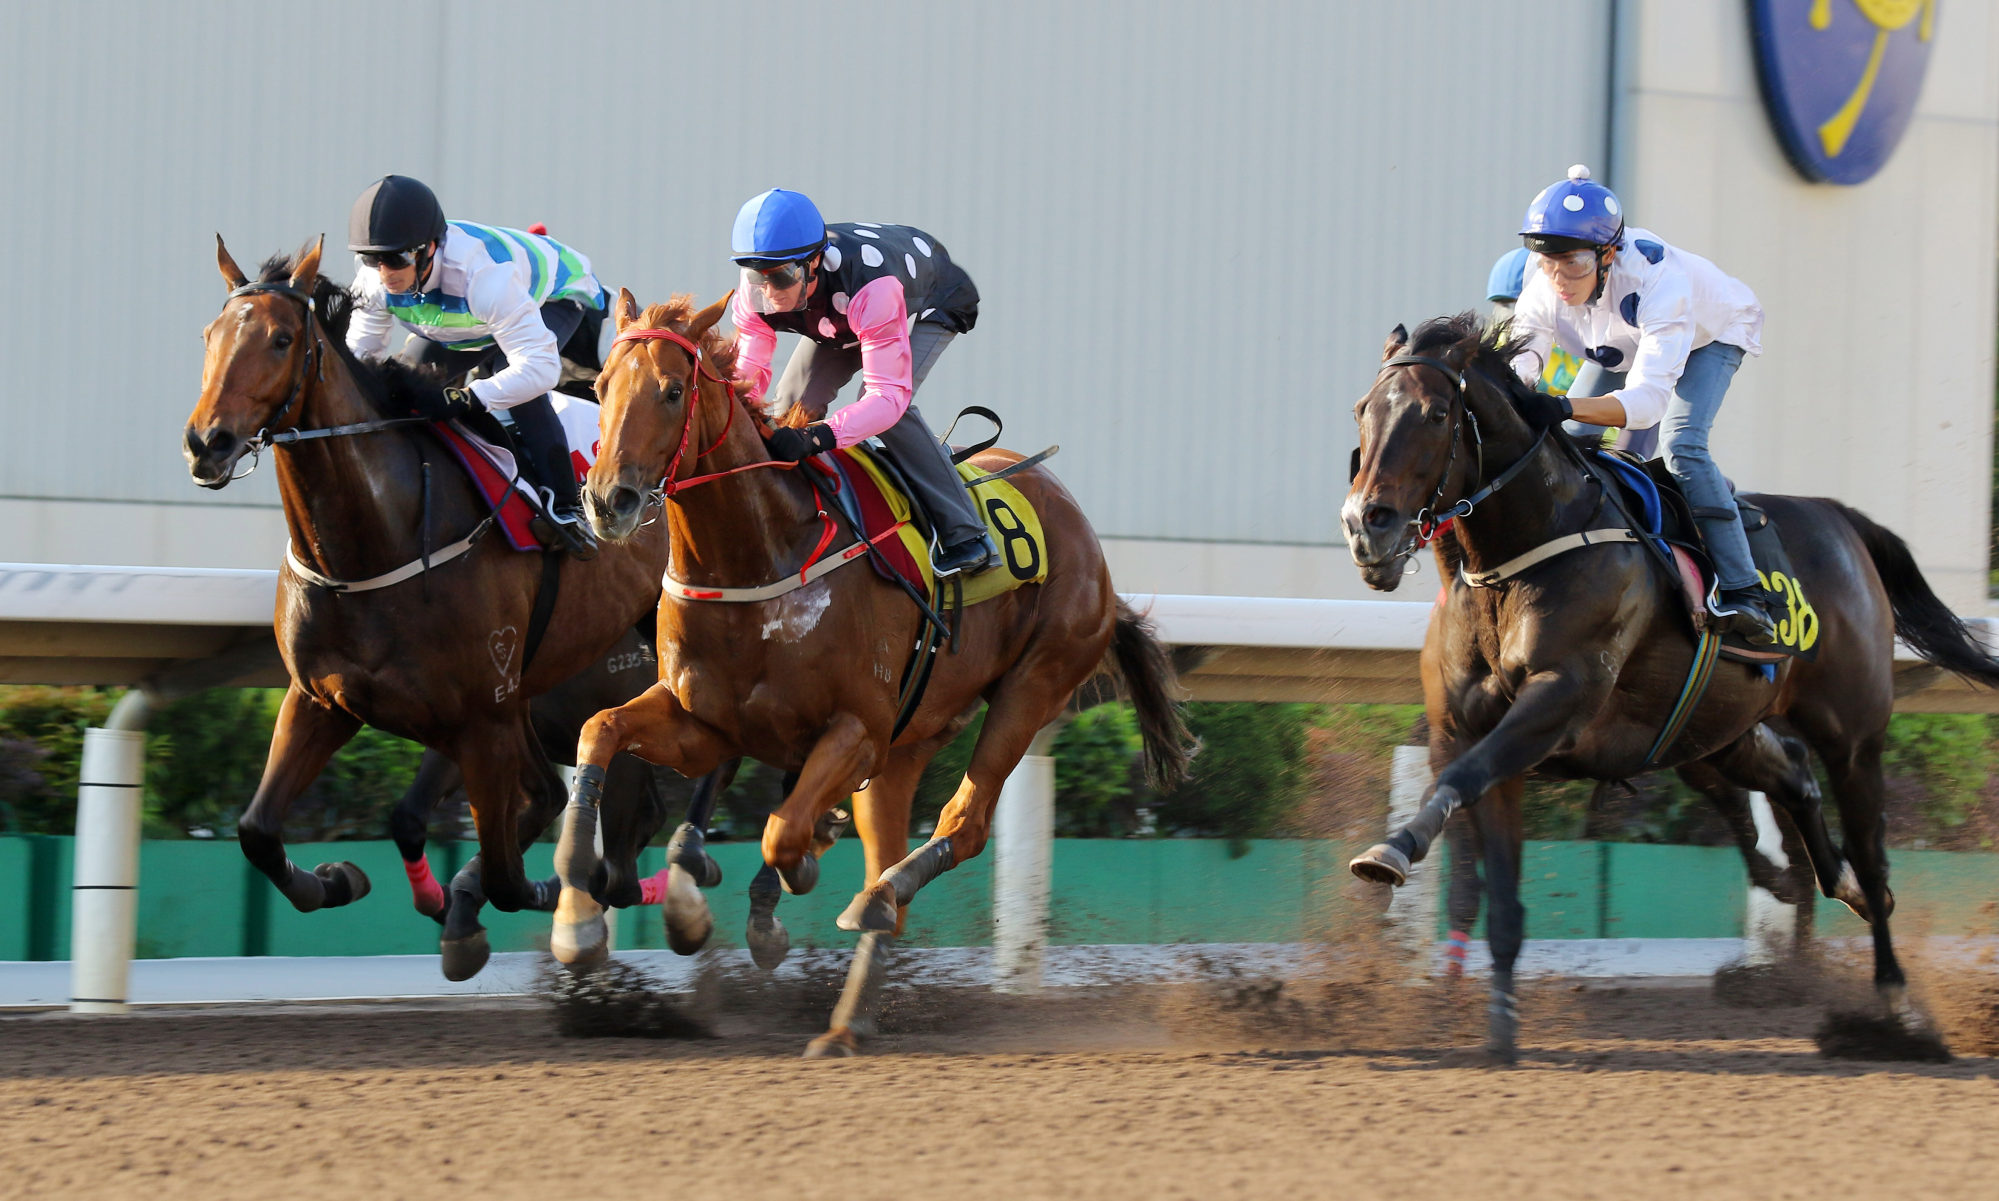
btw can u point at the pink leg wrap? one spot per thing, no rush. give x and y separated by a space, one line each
424 888
652 889
1454 953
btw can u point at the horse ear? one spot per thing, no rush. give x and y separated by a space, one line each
705 319
626 310
307 272
231 273
1397 339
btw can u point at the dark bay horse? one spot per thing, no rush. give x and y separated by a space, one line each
806 682
1571 667
436 658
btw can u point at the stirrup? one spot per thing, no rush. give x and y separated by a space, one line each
941 567
1745 616
570 532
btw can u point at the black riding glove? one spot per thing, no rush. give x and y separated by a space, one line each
790 445
442 404
1543 410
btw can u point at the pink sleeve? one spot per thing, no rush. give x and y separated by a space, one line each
756 342
880 319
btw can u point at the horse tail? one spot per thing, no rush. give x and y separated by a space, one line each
1921 620
1145 673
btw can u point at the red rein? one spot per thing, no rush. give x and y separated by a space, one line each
671 486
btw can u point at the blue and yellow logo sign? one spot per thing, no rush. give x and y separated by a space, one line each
1841 77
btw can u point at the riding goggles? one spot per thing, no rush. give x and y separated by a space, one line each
395 261
1574 265
778 288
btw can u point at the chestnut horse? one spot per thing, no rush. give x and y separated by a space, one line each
807 682
435 658
1572 665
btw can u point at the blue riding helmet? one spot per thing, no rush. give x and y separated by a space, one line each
1572 215
1509 275
777 227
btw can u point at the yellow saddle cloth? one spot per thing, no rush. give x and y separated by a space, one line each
1012 521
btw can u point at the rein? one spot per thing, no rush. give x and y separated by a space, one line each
669 486
264 438
1428 522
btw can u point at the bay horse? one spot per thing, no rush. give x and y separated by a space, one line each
436 658
1572 666
806 682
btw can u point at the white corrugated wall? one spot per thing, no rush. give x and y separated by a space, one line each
1192 223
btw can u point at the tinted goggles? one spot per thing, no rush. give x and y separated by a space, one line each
394 261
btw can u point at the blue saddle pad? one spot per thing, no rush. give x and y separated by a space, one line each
1651 512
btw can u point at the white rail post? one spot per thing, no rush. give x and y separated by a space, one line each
1023 859
1769 927
104 892
1412 910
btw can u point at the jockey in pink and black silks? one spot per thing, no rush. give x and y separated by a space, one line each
880 300
1663 331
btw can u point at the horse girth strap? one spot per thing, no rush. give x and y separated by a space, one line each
1706 649
1548 550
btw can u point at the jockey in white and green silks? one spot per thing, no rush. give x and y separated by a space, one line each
472 296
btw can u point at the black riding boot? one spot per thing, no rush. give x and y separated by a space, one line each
542 437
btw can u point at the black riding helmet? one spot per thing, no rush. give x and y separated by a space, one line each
394 214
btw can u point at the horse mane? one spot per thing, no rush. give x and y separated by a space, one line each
677 314
1468 340
387 383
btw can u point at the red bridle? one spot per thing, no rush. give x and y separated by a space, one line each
669 486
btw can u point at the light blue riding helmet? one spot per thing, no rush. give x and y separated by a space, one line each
777 227
1572 215
1509 275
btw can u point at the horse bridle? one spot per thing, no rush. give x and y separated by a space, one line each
1428 521
668 485
263 438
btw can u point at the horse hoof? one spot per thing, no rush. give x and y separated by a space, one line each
1381 864
688 921
834 1044
342 876
579 936
801 879
873 910
769 942
462 958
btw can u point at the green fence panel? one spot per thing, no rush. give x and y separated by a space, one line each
17 900
203 898
1936 892
1562 886
190 899
51 870
1675 892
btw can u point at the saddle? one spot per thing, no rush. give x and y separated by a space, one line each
507 477
872 494
1653 499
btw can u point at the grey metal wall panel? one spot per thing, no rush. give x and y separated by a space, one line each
1192 224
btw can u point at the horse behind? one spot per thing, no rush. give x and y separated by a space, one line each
807 681
1572 666
439 658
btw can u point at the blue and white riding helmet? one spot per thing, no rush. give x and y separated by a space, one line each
1570 224
776 234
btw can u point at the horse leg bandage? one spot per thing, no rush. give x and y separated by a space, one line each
576 855
929 862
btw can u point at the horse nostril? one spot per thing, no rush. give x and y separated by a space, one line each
1378 518
624 499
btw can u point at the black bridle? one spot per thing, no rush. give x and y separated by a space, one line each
310 361
1428 521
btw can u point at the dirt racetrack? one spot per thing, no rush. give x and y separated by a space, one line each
1237 1089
